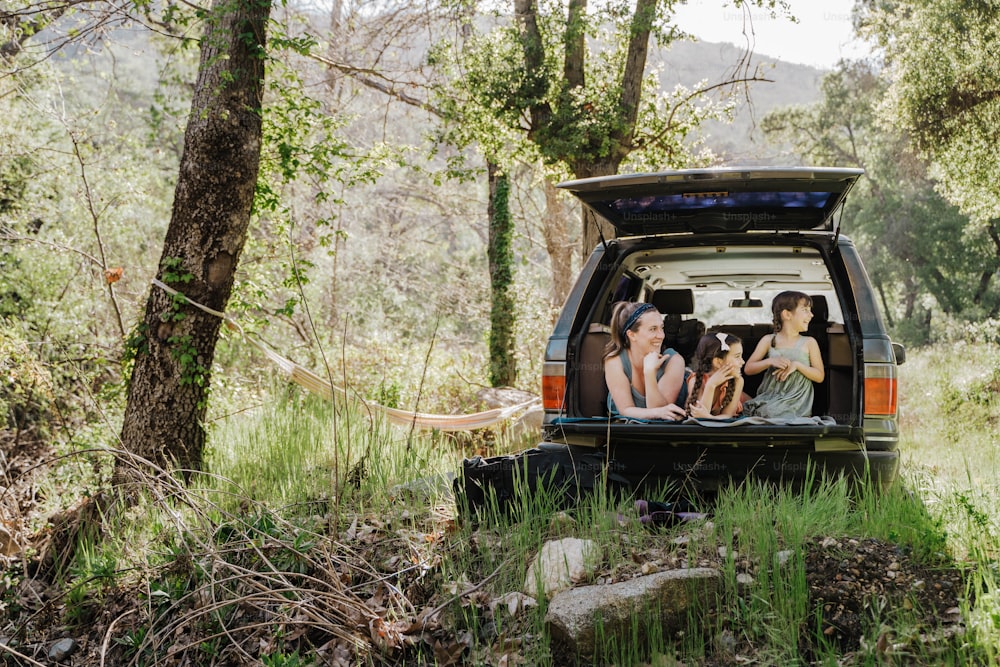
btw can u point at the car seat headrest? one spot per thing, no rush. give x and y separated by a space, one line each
820 308
673 301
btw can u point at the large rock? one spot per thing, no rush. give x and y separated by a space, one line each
528 424
579 618
560 564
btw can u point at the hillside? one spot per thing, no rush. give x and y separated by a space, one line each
741 141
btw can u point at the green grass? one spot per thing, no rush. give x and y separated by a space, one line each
307 509
286 456
950 412
300 453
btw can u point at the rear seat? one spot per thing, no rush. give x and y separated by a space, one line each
678 333
592 391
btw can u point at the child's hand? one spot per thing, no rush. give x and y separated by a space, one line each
784 368
699 411
726 372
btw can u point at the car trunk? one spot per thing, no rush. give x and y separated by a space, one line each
718 200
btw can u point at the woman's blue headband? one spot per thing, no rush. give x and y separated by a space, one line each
634 317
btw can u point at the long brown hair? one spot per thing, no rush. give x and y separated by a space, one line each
710 348
788 300
621 314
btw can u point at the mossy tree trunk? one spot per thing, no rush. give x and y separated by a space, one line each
174 345
503 365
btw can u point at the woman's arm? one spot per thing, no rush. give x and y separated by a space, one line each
663 392
621 393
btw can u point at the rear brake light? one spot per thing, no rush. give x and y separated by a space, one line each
880 389
553 386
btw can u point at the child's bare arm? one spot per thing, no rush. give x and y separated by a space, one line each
758 361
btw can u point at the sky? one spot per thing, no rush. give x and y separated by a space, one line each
821 37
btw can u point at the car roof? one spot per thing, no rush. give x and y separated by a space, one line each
720 199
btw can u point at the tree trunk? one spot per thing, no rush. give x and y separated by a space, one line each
593 227
175 345
503 365
557 244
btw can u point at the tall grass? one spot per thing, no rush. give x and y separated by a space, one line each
950 410
299 457
299 451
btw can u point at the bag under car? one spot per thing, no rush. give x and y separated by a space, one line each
509 485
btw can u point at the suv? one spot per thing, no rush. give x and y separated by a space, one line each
710 248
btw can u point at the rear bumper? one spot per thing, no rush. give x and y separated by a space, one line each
707 468
704 458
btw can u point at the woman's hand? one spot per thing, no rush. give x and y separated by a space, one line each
652 362
670 412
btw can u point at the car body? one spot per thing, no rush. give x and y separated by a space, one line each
710 248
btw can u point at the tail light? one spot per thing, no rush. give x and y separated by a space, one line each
880 389
553 386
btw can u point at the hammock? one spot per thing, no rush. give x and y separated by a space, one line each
321 387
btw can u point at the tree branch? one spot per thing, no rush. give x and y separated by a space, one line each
526 16
658 139
366 78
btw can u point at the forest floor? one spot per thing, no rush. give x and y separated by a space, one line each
850 581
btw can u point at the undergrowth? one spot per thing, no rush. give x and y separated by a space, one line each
320 535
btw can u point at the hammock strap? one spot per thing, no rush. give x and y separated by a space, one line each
322 387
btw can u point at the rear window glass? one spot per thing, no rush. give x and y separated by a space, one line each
731 200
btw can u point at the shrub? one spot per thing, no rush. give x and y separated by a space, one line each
25 383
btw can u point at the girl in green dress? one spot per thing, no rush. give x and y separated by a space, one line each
793 361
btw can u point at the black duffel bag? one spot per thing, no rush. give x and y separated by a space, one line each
507 482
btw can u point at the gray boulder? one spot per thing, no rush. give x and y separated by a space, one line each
579 618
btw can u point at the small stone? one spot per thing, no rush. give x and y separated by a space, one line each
919 585
784 556
829 543
561 520
744 579
62 649
725 642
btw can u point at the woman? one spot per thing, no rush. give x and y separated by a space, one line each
655 391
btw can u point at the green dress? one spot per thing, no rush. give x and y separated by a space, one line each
778 399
